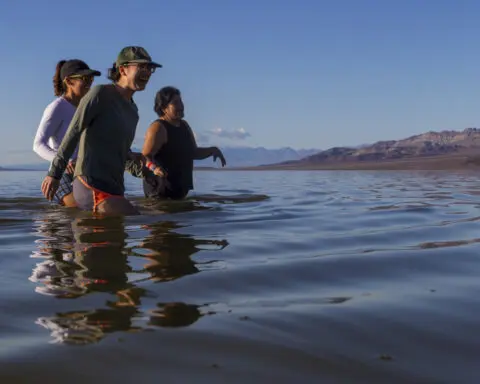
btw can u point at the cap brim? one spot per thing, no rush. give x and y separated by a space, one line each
152 63
88 72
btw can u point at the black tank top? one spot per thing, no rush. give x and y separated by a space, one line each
176 157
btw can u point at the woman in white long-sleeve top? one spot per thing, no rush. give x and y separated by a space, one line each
72 80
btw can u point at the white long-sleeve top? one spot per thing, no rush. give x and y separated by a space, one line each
53 126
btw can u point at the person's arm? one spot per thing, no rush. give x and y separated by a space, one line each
205 152
49 125
87 110
155 139
135 164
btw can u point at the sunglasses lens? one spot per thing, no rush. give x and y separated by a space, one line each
84 78
146 68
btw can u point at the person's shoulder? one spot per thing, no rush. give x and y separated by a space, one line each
157 128
94 95
186 125
97 89
156 125
56 105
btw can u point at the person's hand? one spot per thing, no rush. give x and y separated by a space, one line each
71 167
159 171
49 187
217 153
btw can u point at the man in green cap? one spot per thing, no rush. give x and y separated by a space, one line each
134 54
138 58
104 127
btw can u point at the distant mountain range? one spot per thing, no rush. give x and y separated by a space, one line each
432 150
253 156
235 156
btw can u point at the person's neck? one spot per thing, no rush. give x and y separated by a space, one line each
127 93
173 121
72 99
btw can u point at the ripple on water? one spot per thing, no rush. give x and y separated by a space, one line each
330 276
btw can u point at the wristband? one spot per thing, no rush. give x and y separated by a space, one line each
151 165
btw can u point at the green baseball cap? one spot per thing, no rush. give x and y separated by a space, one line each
133 54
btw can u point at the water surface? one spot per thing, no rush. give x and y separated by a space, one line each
332 277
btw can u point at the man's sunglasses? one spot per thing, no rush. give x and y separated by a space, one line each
144 67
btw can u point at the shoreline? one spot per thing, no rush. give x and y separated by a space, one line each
428 163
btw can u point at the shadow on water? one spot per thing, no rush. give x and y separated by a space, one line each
91 256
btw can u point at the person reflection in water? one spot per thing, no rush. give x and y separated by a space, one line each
170 259
53 274
98 263
95 257
170 252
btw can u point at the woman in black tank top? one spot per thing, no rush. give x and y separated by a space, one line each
170 149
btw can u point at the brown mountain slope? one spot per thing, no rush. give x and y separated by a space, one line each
430 150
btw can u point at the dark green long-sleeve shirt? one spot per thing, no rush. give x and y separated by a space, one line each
104 126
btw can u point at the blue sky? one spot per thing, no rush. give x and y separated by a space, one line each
305 74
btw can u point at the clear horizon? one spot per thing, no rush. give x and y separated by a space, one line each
261 74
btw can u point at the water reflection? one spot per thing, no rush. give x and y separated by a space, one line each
89 255
86 327
169 253
175 315
55 248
